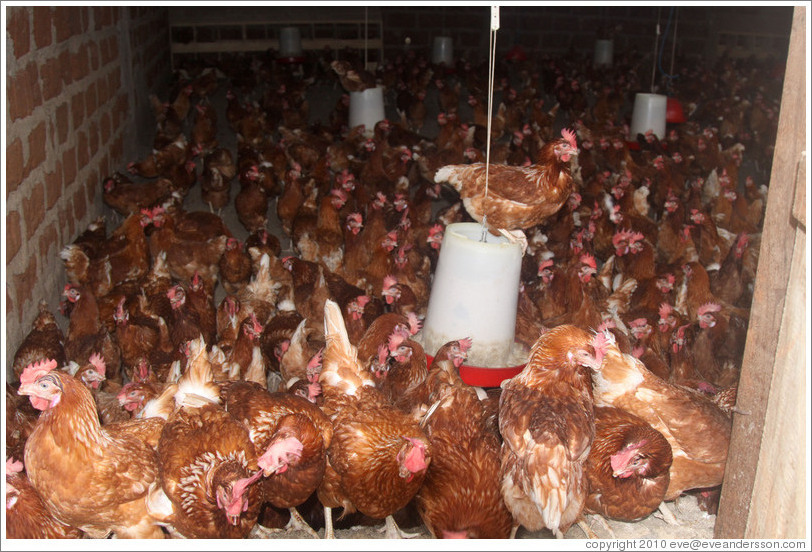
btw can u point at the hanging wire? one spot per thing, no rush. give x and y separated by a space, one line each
491 78
674 44
366 33
668 76
656 44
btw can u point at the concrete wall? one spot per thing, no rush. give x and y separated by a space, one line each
75 86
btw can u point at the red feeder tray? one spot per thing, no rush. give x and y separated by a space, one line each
484 377
673 111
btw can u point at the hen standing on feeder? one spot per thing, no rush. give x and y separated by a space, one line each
516 198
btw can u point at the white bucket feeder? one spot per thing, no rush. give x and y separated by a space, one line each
290 42
443 51
474 294
649 114
603 53
366 108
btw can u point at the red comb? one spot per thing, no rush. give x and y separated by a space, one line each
394 341
708 307
34 371
13 466
414 323
98 361
588 259
383 352
569 136
600 343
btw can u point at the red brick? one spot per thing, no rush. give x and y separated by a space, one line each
101 17
85 19
62 124
106 54
103 90
9 303
105 128
34 209
79 64
92 187
51 78
13 235
14 165
93 132
93 50
47 240
82 150
24 284
36 148
23 92
69 166
19 29
53 186
117 149
117 110
64 67
114 47
43 32
68 222
77 110
104 164
90 99
67 21
114 81
79 204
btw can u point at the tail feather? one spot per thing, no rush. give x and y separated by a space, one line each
198 381
335 332
449 174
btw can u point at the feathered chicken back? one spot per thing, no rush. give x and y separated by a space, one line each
517 197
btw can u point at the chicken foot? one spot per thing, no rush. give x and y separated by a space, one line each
515 236
600 520
328 523
394 532
296 523
590 534
666 515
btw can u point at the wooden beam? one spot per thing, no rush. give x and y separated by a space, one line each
754 459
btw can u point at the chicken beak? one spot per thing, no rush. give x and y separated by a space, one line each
25 389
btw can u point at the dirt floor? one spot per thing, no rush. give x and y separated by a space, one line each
692 523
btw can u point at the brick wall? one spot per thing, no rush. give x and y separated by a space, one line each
72 77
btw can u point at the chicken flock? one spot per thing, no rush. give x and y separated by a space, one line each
164 412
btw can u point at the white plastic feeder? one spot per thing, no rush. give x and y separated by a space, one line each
474 294
648 114
366 108
443 51
603 52
290 42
